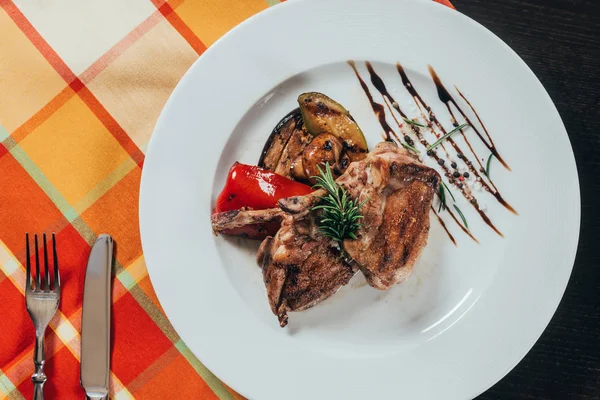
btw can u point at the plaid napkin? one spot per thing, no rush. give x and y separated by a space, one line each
81 86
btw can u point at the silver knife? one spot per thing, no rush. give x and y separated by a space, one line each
95 320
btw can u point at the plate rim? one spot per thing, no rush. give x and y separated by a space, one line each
265 14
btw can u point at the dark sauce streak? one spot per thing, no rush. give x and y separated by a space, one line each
377 108
419 101
387 97
380 86
447 98
495 193
453 117
488 221
441 221
501 200
464 228
444 95
476 114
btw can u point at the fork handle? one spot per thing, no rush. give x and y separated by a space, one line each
38 377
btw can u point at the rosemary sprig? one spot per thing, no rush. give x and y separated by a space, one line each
462 216
409 147
487 166
442 197
411 122
451 195
443 204
446 136
341 216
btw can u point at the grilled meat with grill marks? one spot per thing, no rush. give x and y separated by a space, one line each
301 267
395 223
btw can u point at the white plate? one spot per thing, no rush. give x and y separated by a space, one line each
467 315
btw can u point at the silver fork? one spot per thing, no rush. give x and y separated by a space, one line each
42 302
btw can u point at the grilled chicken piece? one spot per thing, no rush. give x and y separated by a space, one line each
395 223
228 220
300 267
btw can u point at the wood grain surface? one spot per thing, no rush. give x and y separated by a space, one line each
560 41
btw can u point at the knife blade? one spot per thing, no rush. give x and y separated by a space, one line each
95 320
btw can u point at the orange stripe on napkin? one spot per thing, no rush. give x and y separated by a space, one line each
446 3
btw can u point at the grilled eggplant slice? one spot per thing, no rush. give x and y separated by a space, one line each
273 149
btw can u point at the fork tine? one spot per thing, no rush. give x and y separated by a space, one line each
46 266
38 286
28 264
56 273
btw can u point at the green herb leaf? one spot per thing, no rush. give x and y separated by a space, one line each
409 147
462 216
411 122
442 197
340 217
451 195
447 135
487 166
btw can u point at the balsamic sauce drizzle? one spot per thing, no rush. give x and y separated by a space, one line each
389 132
432 123
444 97
443 224
377 108
447 99
464 228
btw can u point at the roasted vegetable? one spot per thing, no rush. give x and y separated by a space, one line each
321 115
294 149
325 149
250 187
273 149
320 131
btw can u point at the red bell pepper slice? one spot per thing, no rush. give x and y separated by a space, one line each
258 189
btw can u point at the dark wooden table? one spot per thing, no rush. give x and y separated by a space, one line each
560 41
